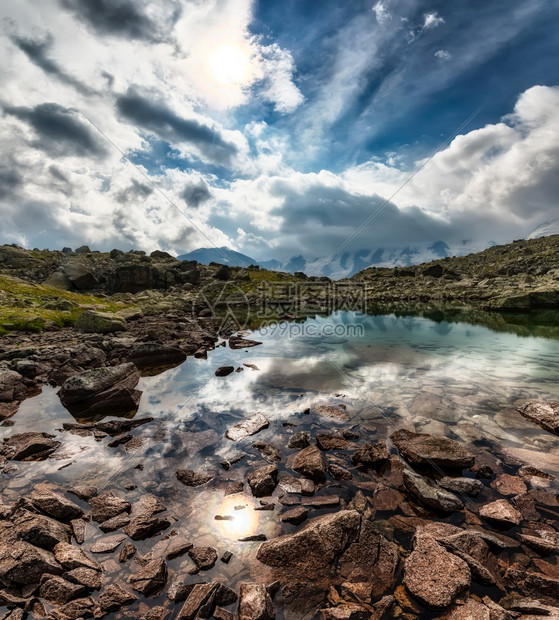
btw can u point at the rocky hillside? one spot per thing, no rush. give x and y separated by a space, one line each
43 288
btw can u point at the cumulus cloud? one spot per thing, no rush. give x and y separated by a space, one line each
443 54
278 86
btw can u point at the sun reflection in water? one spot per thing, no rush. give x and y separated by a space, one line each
238 518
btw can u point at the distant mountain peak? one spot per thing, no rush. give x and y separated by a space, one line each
222 255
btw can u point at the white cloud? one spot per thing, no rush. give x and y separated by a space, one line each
443 54
432 20
381 13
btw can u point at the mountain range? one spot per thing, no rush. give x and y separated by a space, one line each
343 265
348 264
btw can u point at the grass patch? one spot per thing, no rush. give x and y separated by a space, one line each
22 306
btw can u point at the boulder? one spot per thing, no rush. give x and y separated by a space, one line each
80 274
55 505
29 446
295 516
263 480
429 450
467 486
108 505
11 386
429 494
91 322
299 440
371 559
154 354
310 463
24 563
200 601
39 530
434 576
543 414
315 548
145 526
108 390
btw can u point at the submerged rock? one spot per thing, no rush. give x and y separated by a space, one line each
467 486
429 494
102 390
423 449
191 478
204 557
433 575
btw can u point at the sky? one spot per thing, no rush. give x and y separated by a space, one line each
277 128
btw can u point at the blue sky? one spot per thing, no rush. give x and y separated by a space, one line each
277 128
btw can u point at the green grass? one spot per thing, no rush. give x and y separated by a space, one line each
22 306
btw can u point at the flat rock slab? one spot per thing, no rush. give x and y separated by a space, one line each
501 513
433 575
543 414
509 485
107 544
71 557
248 427
429 450
29 446
237 342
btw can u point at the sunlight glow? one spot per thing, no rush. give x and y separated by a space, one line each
243 522
230 64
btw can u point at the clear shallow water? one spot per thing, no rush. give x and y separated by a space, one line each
389 372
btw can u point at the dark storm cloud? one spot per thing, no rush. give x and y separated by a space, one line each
196 194
59 130
10 179
156 117
37 50
120 17
135 191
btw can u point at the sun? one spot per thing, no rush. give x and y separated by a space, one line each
229 64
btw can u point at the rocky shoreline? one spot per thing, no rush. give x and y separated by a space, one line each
323 513
419 525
